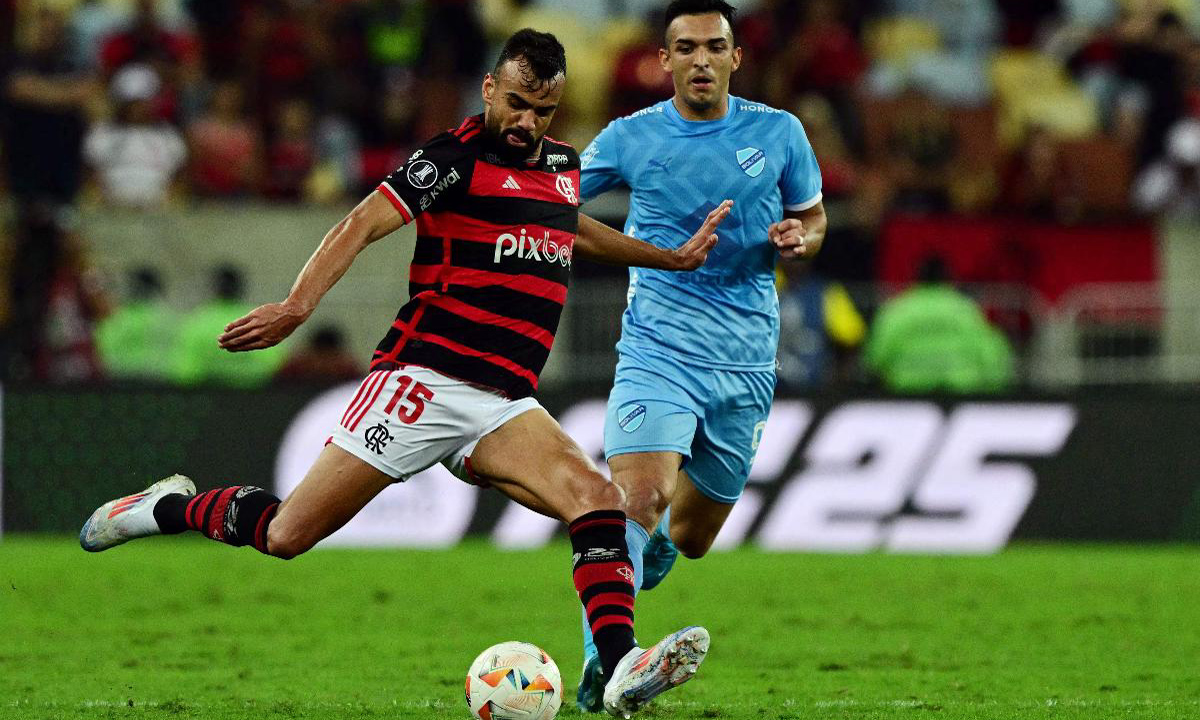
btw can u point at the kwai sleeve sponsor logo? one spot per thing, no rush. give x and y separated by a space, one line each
451 178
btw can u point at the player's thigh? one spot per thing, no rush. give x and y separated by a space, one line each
649 427
696 519
530 459
725 445
336 488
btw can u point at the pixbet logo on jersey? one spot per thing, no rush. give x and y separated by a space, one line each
528 247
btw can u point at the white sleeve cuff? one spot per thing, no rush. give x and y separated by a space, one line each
804 205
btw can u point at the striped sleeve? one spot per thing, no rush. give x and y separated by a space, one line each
436 173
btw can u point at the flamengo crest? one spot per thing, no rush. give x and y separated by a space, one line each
566 188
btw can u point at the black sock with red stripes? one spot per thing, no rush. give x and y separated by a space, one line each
604 578
237 515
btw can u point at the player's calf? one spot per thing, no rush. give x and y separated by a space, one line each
693 539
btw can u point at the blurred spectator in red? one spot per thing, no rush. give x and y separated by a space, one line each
173 54
291 151
147 41
638 78
136 156
822 55
323 360
56 301
277 52
225 147
47 93
761 34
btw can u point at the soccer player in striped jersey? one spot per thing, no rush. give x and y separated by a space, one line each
696 368
496 207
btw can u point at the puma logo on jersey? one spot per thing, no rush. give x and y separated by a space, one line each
511 183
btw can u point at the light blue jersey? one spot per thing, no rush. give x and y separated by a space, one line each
696 372
726 314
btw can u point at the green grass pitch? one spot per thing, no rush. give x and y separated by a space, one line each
181 628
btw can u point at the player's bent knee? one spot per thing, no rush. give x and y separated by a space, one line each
647 498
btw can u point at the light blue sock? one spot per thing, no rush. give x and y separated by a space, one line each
636 538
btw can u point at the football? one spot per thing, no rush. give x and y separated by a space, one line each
514 681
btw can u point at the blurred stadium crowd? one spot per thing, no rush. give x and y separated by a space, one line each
1063 112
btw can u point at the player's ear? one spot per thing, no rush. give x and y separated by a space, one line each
664 59
489 89
737 59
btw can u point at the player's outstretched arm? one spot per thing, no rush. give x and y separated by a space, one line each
800 234
269 324
598 242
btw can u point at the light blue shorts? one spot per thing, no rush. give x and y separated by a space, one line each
713 418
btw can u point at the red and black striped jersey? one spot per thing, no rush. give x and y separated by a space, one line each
489 274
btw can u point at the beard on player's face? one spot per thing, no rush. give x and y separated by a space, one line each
498 137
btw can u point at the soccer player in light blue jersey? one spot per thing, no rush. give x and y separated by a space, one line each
696 369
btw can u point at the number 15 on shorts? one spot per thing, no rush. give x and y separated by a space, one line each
414 402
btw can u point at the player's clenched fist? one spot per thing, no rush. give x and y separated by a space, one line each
788 238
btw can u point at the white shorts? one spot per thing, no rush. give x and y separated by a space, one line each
404 421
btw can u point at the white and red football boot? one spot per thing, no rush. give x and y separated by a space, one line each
643 675
132 516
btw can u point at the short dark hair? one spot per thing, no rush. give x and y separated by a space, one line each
698 7
540 55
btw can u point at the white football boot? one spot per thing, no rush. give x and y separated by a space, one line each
132 516
643 675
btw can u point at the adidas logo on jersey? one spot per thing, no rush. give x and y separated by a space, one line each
511 183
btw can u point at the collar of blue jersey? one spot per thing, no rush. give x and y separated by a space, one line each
702 126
